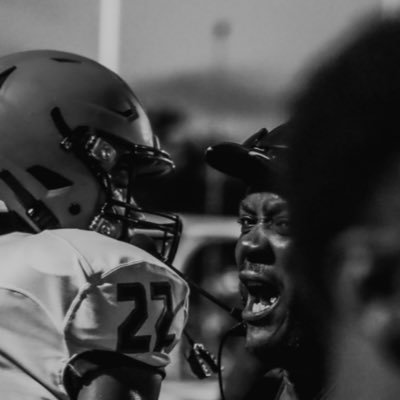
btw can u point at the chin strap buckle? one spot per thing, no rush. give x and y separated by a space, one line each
201 361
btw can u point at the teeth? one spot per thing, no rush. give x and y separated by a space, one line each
260 305
273 300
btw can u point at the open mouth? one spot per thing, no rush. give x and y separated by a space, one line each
261 297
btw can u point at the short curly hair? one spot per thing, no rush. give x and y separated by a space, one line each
347 132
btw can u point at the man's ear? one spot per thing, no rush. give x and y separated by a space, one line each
366 289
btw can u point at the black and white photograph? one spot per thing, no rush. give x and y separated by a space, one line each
200 200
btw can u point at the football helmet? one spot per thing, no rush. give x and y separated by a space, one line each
74 141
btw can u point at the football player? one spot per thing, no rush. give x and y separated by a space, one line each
273 332
84 313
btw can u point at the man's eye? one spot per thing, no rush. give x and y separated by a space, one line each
246 223
282 226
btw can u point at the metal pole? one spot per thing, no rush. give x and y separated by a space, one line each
214 180
221 32
109 33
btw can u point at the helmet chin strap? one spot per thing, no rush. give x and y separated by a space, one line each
234 312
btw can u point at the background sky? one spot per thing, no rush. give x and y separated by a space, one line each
168 49
164 36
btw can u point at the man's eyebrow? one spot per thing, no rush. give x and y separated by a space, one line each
275 207
245 207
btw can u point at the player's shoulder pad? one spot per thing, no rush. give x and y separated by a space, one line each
99 253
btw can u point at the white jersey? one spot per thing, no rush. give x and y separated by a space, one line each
63 292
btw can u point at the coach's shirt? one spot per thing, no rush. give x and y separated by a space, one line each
63 292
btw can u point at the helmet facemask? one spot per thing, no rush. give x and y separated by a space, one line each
117 164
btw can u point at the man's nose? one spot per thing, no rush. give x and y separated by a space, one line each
258 247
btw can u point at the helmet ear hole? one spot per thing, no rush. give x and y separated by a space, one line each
74 209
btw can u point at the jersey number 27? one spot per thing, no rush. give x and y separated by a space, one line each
128 341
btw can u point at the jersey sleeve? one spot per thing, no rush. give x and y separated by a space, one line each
138 309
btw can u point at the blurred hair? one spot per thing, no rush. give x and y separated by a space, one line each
347 132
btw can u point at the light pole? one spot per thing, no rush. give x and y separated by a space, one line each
109 33
214 180
221 32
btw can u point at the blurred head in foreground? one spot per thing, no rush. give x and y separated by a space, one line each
345 201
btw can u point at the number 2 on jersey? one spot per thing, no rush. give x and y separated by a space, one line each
128 341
